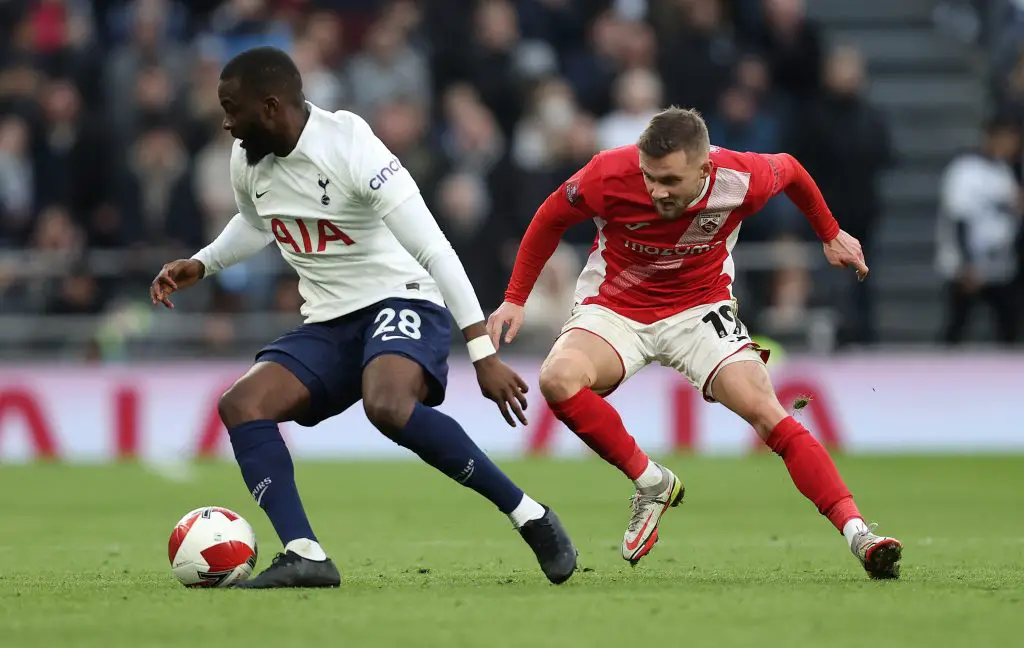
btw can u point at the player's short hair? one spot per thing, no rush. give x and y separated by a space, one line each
265 71
675 129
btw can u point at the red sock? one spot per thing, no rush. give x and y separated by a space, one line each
600 427
813 472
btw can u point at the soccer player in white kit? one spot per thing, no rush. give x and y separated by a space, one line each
375 272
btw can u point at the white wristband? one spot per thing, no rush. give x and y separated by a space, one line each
480 348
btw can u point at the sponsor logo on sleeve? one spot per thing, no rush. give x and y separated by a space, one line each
385 173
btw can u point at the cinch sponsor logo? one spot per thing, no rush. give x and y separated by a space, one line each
393 167
679 250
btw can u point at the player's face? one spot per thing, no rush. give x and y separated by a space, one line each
247 119
673 181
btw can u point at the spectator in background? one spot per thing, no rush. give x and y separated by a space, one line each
592 71
697 54
17 181
325 30
463 211
146 49
402 126
319 83
201 105
492 65
981 206
471 139
66 168
244 24
156 197
637 99
540 136
791 43
740 125
553 295
844 143
387 70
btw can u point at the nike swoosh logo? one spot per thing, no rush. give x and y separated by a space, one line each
385 338
260 195
636 226
630 546
264 492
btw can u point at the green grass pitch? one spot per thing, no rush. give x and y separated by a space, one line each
746 561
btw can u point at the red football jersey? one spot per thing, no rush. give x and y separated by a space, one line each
646 267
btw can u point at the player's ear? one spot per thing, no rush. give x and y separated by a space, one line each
271 106
705 169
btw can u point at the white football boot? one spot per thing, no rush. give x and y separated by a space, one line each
648 505
879 555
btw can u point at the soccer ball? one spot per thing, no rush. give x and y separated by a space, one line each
212 547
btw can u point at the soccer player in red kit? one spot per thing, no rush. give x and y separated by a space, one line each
658 288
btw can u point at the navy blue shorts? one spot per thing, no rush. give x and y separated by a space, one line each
329 357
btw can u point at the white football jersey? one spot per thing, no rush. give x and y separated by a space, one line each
324 203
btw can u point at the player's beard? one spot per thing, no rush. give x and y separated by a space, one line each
668 209
257 146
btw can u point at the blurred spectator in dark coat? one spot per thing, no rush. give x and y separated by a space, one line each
696 56
791 43
844 144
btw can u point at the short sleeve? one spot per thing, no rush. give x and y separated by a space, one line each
240 186
377 174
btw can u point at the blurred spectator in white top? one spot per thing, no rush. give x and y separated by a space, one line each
637 100
16 181
980 203
541 135
320 85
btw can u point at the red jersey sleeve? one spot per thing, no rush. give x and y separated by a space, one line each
579 198
782 173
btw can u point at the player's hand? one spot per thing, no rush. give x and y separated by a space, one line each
503 386
508 314
844 251
175 276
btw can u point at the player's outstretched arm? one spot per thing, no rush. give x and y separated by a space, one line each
562 209
841 249
415 228
239 241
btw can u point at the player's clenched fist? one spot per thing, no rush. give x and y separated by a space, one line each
844 251
175 276
508 314
503 386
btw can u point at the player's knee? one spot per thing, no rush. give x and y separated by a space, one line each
236 407
561 379
388 411
244 402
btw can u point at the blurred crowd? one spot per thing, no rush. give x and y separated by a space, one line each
980 243
110 132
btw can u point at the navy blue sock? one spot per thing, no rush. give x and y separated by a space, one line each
441 442
268 472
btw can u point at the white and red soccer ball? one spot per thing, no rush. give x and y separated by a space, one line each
212 547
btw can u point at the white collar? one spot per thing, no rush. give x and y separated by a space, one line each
703 192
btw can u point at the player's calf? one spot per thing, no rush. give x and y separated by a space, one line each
744 387
250 409
393 388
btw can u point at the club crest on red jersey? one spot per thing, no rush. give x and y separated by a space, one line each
572 192
709 221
